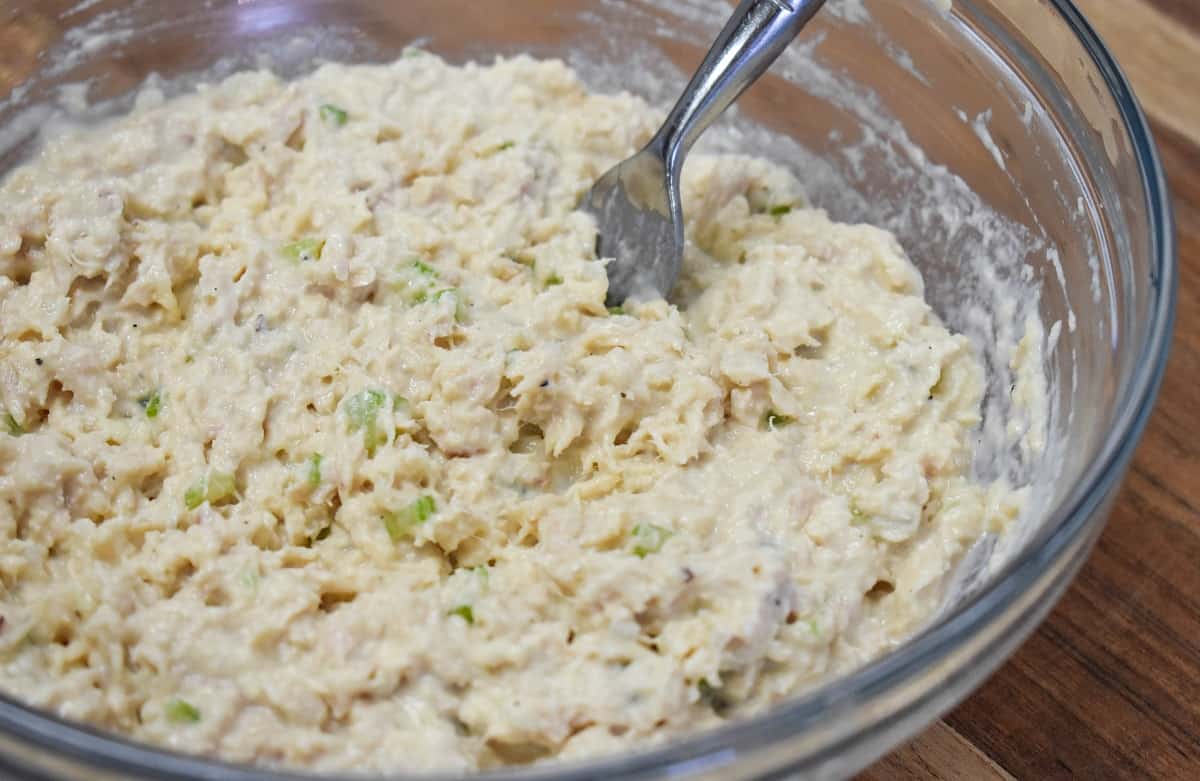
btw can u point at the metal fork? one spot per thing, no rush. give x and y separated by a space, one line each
636 204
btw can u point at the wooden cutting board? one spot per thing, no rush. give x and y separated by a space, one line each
1109 686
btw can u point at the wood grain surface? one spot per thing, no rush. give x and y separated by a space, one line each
1109 686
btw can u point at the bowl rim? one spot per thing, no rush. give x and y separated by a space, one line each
711 749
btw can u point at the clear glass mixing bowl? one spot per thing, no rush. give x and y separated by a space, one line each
999 140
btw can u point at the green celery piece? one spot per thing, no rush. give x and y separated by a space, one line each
362 407
182 712
774 420
464 612
314 469
362 410
414 279
196 493
424 267
304 249
422 509
391 523
780 210
221 485
460 305
211 488
152 403
649 538
334 115
400 523
11 425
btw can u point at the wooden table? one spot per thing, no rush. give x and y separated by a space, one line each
1109 686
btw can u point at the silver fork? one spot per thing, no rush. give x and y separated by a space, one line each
636 204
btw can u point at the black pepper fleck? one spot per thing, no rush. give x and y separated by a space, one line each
544 384
38 361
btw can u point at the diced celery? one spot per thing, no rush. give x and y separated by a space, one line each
400 523
221 485
211 488
11 425
460 304
465 613
775 420
334 115
182 712
648 538
304 250
152 403
362 412
194 496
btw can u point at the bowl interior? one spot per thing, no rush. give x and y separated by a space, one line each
980 136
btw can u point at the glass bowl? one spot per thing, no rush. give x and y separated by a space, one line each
999 141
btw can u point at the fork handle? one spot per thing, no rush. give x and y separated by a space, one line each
754 36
